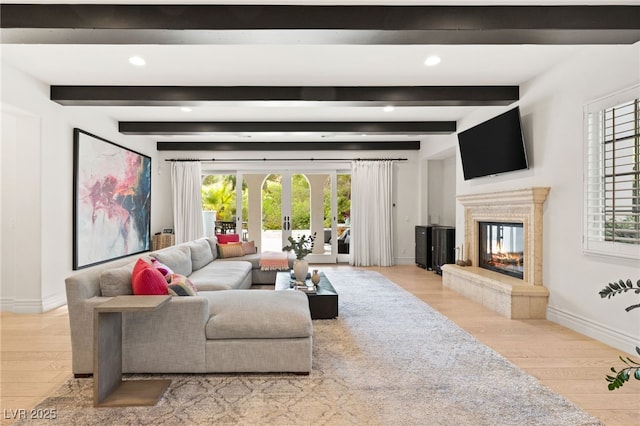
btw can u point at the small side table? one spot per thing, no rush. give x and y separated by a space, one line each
109 390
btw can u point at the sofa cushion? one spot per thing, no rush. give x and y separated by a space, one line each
116 281
221 275
249 247
213 244
146 280
179 285
200 253
272 315
254 259
177 258
228 238
230 250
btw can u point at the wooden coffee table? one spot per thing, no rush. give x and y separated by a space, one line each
323 304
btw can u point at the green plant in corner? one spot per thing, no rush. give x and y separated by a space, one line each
302 246
632 367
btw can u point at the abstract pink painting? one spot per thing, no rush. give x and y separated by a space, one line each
112 201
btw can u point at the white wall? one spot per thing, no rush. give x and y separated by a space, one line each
448 200
407 208
441 190
438 180
21 225
552 111
37 176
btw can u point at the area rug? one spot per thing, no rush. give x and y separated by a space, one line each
389 359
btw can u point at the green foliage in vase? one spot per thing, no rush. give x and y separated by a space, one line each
632 368
301 246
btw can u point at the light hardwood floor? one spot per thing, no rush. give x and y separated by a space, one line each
35 351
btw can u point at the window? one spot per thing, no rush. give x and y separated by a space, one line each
612 178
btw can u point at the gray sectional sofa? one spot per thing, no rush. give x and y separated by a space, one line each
226 328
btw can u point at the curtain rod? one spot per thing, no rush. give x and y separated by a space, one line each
281 159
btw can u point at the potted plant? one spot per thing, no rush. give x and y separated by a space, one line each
632 368
301 246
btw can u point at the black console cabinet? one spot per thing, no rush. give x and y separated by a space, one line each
423 247
444 246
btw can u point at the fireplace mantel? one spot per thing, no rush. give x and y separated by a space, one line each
511 297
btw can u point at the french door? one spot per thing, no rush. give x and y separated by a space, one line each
272 205
306 209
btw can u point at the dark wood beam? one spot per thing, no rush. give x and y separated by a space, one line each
339 127
289 146
327 24
285 95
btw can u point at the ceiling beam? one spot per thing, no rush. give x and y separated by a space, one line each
326 24
289 146
331 127
284 95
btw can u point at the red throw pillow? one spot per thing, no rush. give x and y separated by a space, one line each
146 280
228 238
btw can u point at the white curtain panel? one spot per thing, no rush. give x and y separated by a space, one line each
371 213
186 185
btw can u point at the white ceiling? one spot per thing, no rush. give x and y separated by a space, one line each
272 65
289 65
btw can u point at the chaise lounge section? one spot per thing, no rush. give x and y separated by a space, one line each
225 328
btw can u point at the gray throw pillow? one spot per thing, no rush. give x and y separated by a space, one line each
213 244
116 281
177 258
200 253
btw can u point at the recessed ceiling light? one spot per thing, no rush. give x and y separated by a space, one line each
432 60
186 109
137 61
388 108
363 135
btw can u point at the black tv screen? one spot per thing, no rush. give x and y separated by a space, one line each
493 147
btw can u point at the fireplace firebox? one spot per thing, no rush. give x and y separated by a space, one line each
501 248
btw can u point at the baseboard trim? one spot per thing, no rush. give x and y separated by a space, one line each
33 306
54 301
600 332
27 306
6 304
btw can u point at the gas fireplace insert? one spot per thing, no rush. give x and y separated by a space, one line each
501 248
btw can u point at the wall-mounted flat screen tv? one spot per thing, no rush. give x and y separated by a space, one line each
493 147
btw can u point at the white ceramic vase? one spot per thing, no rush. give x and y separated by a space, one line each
300 269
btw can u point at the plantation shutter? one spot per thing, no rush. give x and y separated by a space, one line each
612 178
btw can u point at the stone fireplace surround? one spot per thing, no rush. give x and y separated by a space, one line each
509 296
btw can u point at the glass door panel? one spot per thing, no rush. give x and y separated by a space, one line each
343 200
219 203
323 218
274 219
299 207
